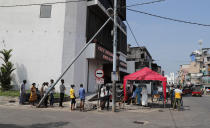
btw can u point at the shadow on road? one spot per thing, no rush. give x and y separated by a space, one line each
46 125
173 119
159 105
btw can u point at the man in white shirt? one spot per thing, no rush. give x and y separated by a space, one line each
103 93
62 92
45 92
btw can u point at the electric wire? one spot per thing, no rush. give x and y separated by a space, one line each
167 60
167 18
132 33
35 4
138 4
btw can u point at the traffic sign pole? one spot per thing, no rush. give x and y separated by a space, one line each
98 98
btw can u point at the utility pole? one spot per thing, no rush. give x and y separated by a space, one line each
200 42
114 73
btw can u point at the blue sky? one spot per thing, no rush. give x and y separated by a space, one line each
169 42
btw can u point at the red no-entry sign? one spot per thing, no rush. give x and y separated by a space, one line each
99 73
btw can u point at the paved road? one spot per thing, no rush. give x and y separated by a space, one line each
196 114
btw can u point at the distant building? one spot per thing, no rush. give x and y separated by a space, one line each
183 71
138 58
197 72
206 70
156 68
170 78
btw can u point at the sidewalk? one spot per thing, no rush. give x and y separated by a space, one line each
13 103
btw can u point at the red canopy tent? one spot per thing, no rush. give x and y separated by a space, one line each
145 74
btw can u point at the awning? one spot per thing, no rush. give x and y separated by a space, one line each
208 86
145 74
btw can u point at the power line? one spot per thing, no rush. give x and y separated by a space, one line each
132 33
167 18
151 2
164 60
35 4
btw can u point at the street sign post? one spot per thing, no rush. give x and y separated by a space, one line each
100 80
115 76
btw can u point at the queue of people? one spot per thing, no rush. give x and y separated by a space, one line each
139 95
36 94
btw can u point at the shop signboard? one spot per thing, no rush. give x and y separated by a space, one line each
106 55
99 80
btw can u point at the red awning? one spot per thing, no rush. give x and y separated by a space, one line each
145 74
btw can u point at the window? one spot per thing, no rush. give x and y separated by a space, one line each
142 56
45 11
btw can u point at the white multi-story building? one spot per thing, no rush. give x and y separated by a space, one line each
46 35
170 78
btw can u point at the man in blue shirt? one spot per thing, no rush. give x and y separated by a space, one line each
82 97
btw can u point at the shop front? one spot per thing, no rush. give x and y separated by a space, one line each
101 58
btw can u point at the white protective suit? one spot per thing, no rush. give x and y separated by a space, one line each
144 93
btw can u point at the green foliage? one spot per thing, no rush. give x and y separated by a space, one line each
6 69
16 93
57 95
12 93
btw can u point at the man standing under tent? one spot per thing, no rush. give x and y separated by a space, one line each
144 96
138 94
160 92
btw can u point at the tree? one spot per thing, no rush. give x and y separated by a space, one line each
6 69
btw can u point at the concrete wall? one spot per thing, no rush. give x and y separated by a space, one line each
194 67
93 65
36 42
130 66
74 41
